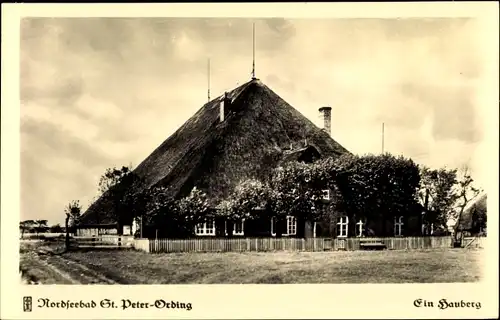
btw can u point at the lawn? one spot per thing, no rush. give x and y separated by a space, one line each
418 266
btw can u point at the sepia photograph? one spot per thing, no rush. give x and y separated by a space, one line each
173 161
192 151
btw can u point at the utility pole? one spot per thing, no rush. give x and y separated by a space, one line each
208 79
383 128
253 52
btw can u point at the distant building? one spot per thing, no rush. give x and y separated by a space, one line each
473 220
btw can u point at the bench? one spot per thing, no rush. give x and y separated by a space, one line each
372 246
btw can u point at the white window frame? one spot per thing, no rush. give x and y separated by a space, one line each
342 226
273 232
326 194
424 227
398 226
202 230
360 228
127 228
288 218
290 225
242 233
242 222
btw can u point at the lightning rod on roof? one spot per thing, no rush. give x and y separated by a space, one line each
253 52
208 67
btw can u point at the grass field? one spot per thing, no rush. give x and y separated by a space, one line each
134 267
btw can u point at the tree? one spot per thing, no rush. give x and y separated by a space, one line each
72 212
465 194
298 189
247 197
160 211
26 226
193 209
437 195
124 189
41 226
112 177
56 228
375 186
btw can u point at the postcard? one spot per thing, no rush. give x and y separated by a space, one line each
229 161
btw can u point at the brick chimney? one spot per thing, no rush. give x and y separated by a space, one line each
326 115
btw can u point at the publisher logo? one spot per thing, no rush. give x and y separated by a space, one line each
27 304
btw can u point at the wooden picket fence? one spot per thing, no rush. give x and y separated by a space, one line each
474 242
231 245
292 244
104 241
396 243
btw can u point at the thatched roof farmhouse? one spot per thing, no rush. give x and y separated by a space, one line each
241 134
475 211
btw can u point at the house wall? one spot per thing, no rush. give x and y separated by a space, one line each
87 231
413 226
324 229
376 228
258 228
263 227
308 229
327 228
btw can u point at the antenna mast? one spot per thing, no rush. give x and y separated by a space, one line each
208 79
383 137
253 51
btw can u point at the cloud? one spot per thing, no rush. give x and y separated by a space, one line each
51 142
102 92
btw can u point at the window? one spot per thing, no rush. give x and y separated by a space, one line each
398 226
273 227
326 194
342 223
291 226
424 224
126 231
360 228
205 228
238 228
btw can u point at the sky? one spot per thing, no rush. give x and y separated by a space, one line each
103 92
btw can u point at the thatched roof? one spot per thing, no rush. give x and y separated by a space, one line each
257 133
478 206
